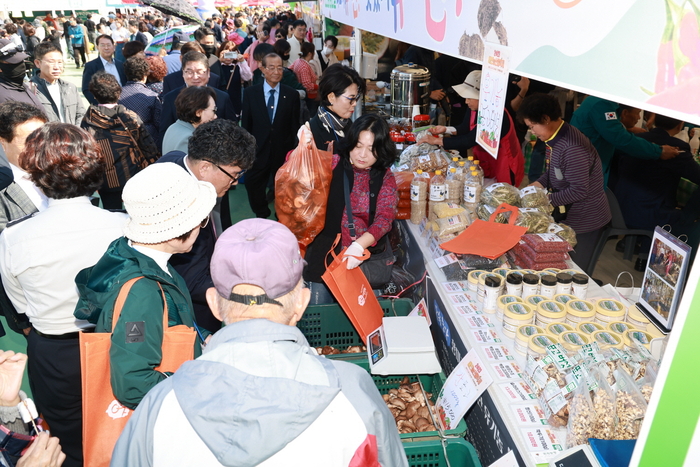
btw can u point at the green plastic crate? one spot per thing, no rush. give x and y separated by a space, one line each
329 325
459 452
431 383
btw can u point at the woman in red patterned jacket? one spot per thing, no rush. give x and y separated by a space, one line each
362 164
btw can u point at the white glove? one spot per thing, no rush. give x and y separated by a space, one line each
304 134
355 249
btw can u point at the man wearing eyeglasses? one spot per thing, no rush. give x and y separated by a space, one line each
195 71
218 152
61 99
270 112
105 62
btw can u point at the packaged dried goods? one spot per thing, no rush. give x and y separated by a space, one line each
563 231
446 209
523 249
534 197
603 404
536 221
434 160
419 196
484 211
498 193
546 242
582 415
453 224
455 186
479 262
630 406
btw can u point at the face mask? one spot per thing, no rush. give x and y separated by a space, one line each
209 49
13 72
285 57
327 51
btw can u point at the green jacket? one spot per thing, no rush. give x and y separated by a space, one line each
132 364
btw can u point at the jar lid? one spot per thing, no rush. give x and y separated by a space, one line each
515 279
611 308
642 337
492 280
526 331
564 278
619 327
589 327
564 298
572 340
399 139
548 280
411 137
552 271
580 308
539 342
473 276
518 311
421 118
531 279
503 272
534 300
551 309
607 339
580 279
634 313
504 300
558 328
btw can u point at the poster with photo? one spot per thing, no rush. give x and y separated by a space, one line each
664 277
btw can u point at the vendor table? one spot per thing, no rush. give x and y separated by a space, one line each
505 417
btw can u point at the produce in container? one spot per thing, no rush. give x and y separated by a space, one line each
536 221
498 193
564 232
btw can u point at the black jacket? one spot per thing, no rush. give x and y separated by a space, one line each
176 80
92 67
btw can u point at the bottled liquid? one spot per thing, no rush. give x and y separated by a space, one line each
695 142
462 169
455 162
419 196
479 170
683 135
472 192
455 186
438 190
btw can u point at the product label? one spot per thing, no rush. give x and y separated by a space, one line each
402 168
504 299
556 351
459 299
553 307
456 286
589 328
547 237
497 353
535 299
572 338
528 209
542 341
579 305
563 298
557 329
541 439
609 305
438 192
518 308
619 328
528 330
453 220
424 159
528 190
415 193
580 374
606 338
554 228
517 391
470 194
591 351
529 414
495 186
638 336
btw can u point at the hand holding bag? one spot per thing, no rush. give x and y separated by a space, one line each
104 417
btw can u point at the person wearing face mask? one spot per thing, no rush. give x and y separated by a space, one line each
207 39
13 71
360 165
326 56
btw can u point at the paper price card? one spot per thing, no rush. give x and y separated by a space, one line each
478 321
508 460
455 287
543 457
517 391
463 387
541 439
507 370
497 353
486 336
529 414
446 260
466 310
458 299
421 310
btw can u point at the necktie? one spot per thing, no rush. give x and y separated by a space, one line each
271 104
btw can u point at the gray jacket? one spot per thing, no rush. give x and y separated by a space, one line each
260 395
14 204
70 101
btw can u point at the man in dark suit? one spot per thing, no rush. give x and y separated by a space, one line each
271 114
136 35
195 70
218 152
176 80
105 62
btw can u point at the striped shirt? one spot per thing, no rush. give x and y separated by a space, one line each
575 174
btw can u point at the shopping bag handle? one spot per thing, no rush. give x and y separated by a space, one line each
365 254
503 207
121 300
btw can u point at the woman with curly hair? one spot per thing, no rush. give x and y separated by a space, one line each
40 257
158 71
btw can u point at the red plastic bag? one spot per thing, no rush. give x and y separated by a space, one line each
302 185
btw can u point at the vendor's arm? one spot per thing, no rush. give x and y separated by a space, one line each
577 173
133 364
386 210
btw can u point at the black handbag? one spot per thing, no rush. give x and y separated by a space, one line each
378 267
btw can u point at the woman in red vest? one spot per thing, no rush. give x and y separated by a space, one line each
509 166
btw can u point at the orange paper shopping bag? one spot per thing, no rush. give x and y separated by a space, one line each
104 417
354 294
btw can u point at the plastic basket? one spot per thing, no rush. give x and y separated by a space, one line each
459 453
329 325
431 383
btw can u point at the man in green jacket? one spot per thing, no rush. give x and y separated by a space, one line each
597 119
166 207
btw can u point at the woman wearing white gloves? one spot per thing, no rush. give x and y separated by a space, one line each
362 166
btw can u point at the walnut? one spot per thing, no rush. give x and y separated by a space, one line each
630 414
604 425
580 421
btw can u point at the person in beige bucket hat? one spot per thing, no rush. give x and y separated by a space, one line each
167 207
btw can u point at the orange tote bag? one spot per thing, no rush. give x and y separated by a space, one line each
104 417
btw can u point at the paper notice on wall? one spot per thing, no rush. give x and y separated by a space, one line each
492 97
463 387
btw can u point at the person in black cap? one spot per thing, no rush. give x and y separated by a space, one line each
13 71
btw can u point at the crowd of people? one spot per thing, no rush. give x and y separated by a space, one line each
162 140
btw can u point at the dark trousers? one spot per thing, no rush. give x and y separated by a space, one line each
54 377
79 50
111 199
585 245
256 180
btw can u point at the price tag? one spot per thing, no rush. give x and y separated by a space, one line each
446 260
484 336
529 414
517 391
478 322
497 353
459 299
455 287
506 370
541 439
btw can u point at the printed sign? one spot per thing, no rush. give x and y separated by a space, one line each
492 98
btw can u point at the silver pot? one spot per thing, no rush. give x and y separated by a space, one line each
410 85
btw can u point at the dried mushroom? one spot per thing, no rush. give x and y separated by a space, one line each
408 405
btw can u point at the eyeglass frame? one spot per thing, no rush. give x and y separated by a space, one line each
234 178
191 73
353 100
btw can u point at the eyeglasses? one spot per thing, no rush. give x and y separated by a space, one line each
234 178
204 223
192 73
276 69
213 110
352 99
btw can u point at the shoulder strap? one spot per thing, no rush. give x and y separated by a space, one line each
348 207
121 299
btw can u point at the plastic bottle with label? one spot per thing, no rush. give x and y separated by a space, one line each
472 192
695 142
438 190
419 196
477 164
683 135
455 186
